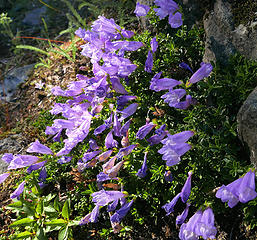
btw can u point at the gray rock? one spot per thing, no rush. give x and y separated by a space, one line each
12 80
247 124
12 144
34 16
224 39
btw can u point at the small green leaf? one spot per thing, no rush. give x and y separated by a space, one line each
63 233
23 222
66 210
23 235
17 204
56 204
49 209
56 222
40 207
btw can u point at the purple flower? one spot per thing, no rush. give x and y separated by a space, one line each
93 144
35 166
102 198
188 230
181 218
37 147
186 190
144 130
64 159
20 161
42 175
127 33
18 191
157 138
117 86
3 177
169 207
7 157
158 84
168 176
105 25
108 165
109 141
241 190
123 100
102 157
101 177
111 207
175 20
149 62
90 217
205 227
154 45
175 146
128 111
121 213
202 72
124 129
89 155
173 96
185 66
113 172
141 10
126 151
166 7
116 125
142 171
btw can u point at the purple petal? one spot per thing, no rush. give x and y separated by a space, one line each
121 213
169 207
154 45
175 20
181 218
202 72
149 62
3 177
35 166
186 190
141 10
37 147
142 171
18 191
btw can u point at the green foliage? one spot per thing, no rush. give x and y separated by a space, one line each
41 216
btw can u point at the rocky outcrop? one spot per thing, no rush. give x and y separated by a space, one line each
247 124
223 38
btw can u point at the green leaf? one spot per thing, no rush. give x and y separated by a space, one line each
56 222
33 49
17 204
23 222
66 210
23 235
40 207
49 209
63 233
57 204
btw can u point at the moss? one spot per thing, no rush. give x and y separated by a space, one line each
244 11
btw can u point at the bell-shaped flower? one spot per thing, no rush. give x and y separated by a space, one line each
173 96
116 126
35 166
112 206
182 217
123 100
242 189
3 177
37 147
121 213
128 111
159 84
205 227
202 72
90 217
168 176
124 129
175 20
149 62
64 159
154 44
186 190
113 172
20 161
104 156
144 130
103 24
93 144
188 230
108 165
142 171
158 137
90 155
7 157
110 142
141 10
169 207
102 198
185 66
117 86
18 191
